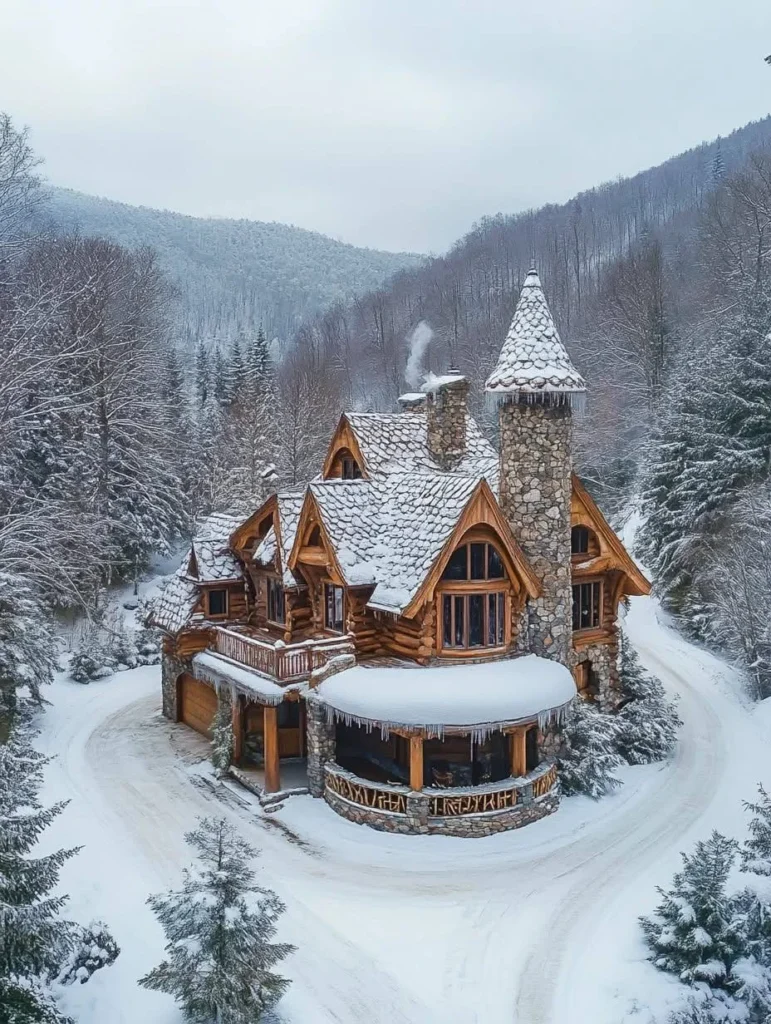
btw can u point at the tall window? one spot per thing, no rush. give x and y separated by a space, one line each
587 605
334 607
276 607
479 561
351 469
218 603
579 540
474 620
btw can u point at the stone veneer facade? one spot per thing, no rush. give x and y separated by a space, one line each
320 743
446 413
535 492
171 669
417 820
603 661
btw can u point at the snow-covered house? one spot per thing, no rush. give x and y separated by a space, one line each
416 621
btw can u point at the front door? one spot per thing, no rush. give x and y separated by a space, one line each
291 726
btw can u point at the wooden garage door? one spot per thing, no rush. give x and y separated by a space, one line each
198 704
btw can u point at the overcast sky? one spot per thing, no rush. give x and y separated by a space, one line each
390 123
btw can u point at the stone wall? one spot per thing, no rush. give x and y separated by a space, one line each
468 826
535 491
603 661
320 743
446 413
171 669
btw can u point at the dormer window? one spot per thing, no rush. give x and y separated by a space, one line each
579 540
350 467
217 603
480 561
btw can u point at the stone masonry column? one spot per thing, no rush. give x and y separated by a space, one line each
535 490
320 740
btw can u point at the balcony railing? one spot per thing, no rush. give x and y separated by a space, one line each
446 803
286 663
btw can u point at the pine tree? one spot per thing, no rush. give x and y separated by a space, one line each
28 654
36 945
202 374
219 927
756 851
647 722
590 760
693 932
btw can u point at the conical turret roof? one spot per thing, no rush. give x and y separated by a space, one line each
533 360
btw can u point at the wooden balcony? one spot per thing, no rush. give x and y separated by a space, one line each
285 663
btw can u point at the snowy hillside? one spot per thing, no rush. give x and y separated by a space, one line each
234 274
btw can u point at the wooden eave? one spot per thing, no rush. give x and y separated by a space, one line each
310 516
240 536
344 437
613 554
482 509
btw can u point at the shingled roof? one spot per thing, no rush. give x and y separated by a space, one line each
212 560
533 360
398 443
173 607
389 531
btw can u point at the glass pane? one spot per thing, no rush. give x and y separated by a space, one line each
492 618
501 619
460 637
586 605
495 569
447 620
478 561
476 620
576 604
579 540
217 602
456 568
595 604
338 607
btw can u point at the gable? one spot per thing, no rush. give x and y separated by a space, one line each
344 440
613 555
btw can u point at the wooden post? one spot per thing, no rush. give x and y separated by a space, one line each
270 739
238 729
518 756
416 762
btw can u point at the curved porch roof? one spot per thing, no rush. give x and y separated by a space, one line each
477 698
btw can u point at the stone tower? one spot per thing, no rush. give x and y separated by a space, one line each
537 388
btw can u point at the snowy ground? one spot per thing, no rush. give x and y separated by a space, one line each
536 926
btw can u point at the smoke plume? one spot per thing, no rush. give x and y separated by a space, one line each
418 340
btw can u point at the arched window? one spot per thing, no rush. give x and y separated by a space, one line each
583 541
473 617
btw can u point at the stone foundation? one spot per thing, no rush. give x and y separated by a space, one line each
320 743
171 669
535 492
603 661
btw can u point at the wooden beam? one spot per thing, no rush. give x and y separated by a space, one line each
416 762
518 753
238 729
270 739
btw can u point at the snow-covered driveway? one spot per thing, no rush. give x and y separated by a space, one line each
531 926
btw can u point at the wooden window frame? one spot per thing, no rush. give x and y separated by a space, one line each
592 581
466 590
275 583
486 579
217 590
334 586
349 468
592 544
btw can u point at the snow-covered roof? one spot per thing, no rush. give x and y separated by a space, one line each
389 531
493 695
213 558
533 359
220 670
290 505
434 382
265 552
173 606
398 443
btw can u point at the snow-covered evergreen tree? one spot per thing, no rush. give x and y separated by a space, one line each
647 723
28 654
219 926
756 850
588 764
694 933
36 944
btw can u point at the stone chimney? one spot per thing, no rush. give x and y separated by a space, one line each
537 388
446 415
412 401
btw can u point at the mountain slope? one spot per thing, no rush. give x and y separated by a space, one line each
234 274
